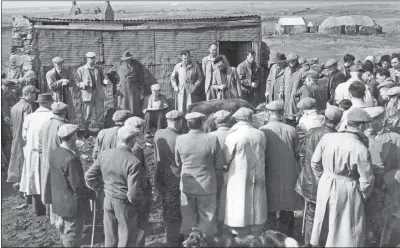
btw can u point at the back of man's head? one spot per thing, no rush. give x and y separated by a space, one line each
357 90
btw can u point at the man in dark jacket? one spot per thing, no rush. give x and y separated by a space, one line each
312 89
307 183
118 171
249 78
68 190
167 176
334 79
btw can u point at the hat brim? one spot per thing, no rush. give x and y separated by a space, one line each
126 58
278 60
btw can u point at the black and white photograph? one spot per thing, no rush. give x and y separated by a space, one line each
200 123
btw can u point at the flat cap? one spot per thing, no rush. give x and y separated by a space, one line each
292 56
275 105
29 89
90 55
194 115
57 60
311 74
66 130
221 115
375 111
330 62
58 107
333 113
394 91
302 60
8 82
358 115
127 132
134 122
356 68
155 87
121 115
306 103
243 113
174 114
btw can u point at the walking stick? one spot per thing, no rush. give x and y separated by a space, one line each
94 221
304 218
176 100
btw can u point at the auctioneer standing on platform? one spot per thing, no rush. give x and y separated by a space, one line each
90 81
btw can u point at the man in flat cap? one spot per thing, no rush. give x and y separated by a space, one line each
155 107
61 82
167 176
117 171
130 83
90 82
384 83
30 177
392 110
342 164
19 111
281 169
225 81
276 77
208 65
312 89
198 176
342 91
249 78
186 79
245 180
292 83
307 183
223 120
49 141
335 78
8 96
395 70
69 194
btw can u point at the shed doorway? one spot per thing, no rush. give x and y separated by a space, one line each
342 29
235 51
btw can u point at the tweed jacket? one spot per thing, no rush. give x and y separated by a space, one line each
84 76
208 69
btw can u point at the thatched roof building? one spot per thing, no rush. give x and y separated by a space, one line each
355 24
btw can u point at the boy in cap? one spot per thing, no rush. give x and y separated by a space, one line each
198 165
275 78
30 177
310 117
19 111
342 165
48 141
249 78
245 191
312 89
90 82
335 78
282 153
118 172
154 109
307 184
70 196
167 176
60 81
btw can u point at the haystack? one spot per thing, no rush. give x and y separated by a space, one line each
355 24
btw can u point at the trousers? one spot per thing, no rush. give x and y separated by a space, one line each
97 105
199 211
71 231
120 223
143 217
309 221
284 224
38 207
154 118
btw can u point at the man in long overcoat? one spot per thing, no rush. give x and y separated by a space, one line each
198 165
167 176
282 169
60 81
19 111
307 184
48 141
246 200
208 67
249 78
341 162
275 78
186 79
30 178
225 81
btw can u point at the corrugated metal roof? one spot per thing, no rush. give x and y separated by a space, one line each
291 21
100 18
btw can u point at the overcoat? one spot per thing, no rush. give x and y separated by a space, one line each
292 83
188 80
18 113
246 199
48 142
62 93
274 81
342 164
233 86
281 168
30 178
106 139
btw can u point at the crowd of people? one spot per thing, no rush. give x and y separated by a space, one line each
329 144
